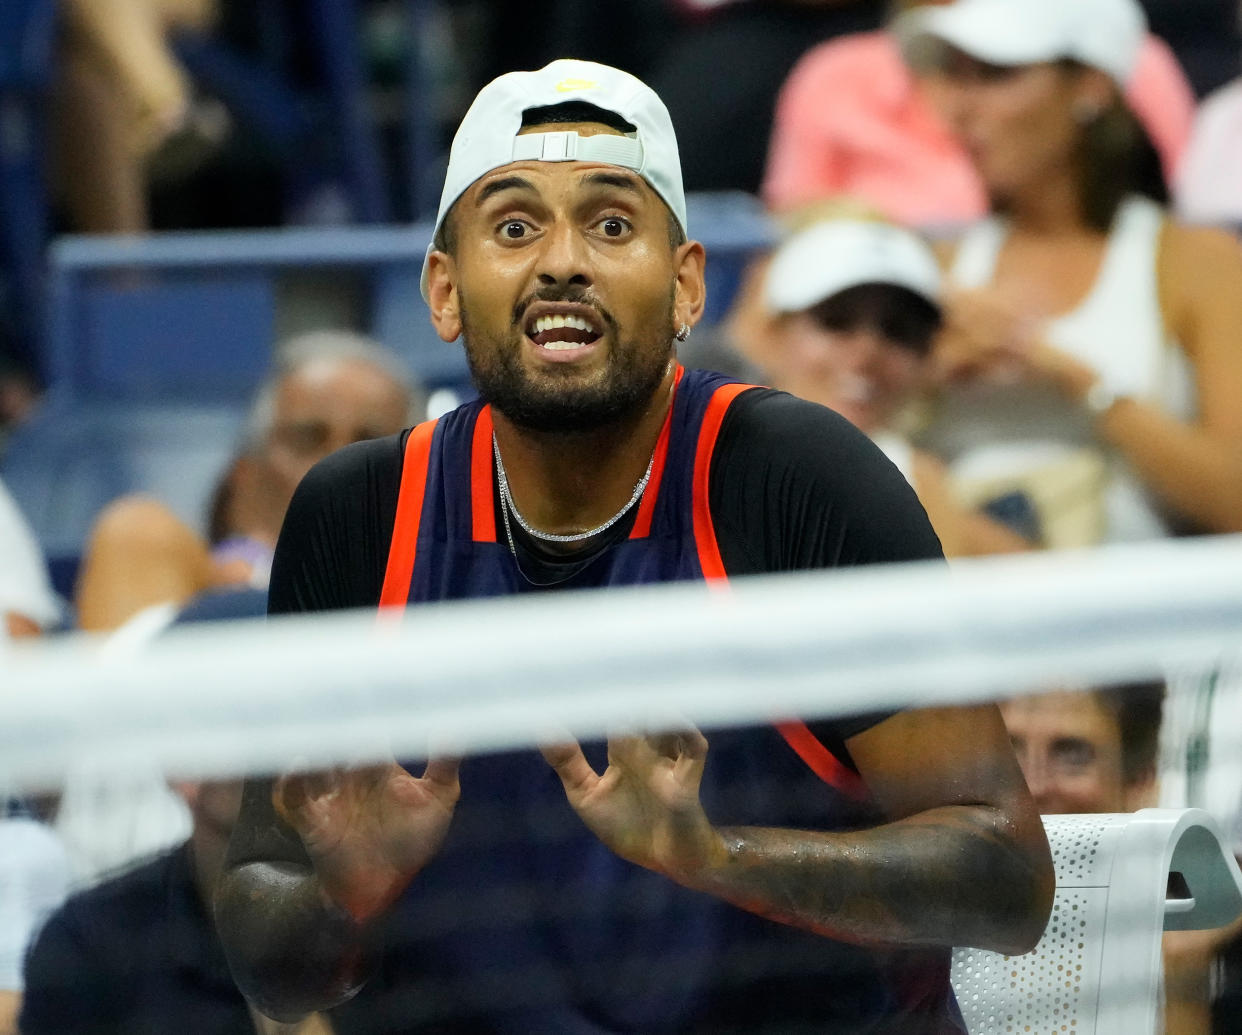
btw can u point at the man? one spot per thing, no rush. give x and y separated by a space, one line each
326 389
617 902
1096 751
1088 750
144 564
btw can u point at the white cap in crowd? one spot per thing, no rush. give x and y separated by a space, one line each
832 256
1104 34
488 136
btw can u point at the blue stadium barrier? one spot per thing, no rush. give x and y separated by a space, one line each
157 343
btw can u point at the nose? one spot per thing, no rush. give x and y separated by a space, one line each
563 259
866 345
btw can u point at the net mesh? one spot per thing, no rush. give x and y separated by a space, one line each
487 679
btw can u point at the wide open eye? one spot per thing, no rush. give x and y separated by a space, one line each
514 229
614 226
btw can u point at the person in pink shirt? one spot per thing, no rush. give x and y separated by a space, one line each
852 120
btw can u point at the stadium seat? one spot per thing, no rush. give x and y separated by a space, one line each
1122 880
65 463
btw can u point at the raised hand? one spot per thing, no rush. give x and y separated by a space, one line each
994 336
985 334
368 831
645 806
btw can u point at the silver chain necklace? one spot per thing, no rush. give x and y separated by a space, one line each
507 506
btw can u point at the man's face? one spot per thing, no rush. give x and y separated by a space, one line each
1069 747
566 289
322 406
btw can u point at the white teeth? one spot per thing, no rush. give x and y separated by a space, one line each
556 320
561 346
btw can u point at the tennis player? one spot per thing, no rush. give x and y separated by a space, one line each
800 876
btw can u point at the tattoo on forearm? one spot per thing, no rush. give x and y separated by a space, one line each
952 876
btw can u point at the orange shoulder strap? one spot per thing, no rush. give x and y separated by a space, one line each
709 431
403 547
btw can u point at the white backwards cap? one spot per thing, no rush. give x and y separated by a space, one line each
1105 34
830 257
488 135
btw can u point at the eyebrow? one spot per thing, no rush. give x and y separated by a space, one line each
504 183
624 181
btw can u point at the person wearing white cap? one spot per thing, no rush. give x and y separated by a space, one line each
592 459
851 308
1090 355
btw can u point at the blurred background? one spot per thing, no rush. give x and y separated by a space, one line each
1024 281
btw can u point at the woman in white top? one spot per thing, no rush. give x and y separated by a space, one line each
1093 346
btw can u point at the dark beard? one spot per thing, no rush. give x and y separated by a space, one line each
556 403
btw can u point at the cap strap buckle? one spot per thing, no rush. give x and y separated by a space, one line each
568 146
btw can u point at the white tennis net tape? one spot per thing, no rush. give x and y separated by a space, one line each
260 696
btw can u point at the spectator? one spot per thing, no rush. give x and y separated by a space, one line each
123 97
143 564
328 389
1090 354
881 140
139 953
34 878
1088 751
28 604
1095 751
850 308
33 868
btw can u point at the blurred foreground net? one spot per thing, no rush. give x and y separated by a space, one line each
489 679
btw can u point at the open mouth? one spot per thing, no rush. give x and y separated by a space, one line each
562 331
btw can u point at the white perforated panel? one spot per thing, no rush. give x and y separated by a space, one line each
1076 850
1055 988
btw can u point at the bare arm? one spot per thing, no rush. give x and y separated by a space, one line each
962 861
1195 468
314 863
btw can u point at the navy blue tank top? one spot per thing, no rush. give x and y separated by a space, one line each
525 921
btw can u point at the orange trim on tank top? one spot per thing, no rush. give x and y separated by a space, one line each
482 487
709 431
822 762
818 758
403 547
646 508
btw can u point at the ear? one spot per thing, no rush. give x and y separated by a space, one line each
442 296
690 295
1094 93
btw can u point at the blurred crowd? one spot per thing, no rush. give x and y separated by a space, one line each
1007 252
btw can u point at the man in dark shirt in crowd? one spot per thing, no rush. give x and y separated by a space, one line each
803 876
